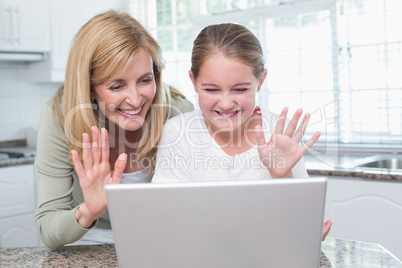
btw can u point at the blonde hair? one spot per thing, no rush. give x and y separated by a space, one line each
102 48
230 39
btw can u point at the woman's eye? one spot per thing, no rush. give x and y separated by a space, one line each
115 87
147 80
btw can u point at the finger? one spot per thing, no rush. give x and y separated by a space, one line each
105 145
259 135
95 145
326 229
119 167
280 124
290 130
86 155
302 128
262 145
307 145
79 169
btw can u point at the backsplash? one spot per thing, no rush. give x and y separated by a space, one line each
21 101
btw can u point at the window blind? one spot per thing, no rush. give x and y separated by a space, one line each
340 60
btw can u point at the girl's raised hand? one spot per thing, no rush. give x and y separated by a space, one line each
283 150
95 174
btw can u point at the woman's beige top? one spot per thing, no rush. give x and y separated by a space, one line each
59 192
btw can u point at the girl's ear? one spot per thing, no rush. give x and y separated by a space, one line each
192 80
262 79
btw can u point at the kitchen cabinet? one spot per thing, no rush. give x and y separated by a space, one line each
66 18
24 26
17 206
366 210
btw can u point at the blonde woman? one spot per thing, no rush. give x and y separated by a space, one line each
114 83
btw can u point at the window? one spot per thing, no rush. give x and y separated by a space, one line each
340 60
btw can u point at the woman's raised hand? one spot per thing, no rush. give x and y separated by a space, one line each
283 150
94 174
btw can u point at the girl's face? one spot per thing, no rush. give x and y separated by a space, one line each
227 91
126 99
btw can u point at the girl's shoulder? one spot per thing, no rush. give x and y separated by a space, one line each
185 119
180 105
184 123
266 114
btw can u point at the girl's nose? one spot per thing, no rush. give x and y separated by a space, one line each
226 102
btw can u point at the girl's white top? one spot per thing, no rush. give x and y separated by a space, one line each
187 152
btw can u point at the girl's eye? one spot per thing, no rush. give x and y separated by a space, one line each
210 90
240 89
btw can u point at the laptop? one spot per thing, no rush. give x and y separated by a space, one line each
266 223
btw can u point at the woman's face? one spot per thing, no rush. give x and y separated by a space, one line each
126 99
227 91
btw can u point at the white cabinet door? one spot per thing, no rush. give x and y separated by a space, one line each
18 231
17 206
67 17
24 26
17 190
366 210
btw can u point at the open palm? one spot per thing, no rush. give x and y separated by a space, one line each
95 172
283 150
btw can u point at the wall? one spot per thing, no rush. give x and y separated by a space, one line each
21 102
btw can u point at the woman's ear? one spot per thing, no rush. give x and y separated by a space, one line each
262 79
190 73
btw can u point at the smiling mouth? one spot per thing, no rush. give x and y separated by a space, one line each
227 115
131 112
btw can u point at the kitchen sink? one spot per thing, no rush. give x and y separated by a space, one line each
4 156
381 162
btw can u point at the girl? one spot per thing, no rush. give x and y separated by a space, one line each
230 130
227 138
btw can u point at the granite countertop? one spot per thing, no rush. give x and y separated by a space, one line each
335 253
9 162
17 161
345 165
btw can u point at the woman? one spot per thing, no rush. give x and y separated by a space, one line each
113 81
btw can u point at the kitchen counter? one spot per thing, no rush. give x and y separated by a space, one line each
344 165
341 164
27 156
335 253
17 161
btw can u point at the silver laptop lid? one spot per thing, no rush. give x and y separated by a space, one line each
271 223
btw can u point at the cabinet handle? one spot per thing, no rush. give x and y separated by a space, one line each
17 24
10 23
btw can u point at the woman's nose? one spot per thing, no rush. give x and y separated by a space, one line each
133 97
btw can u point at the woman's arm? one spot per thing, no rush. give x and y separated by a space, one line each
55 215
94 174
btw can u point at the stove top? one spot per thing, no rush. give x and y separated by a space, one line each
16 152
